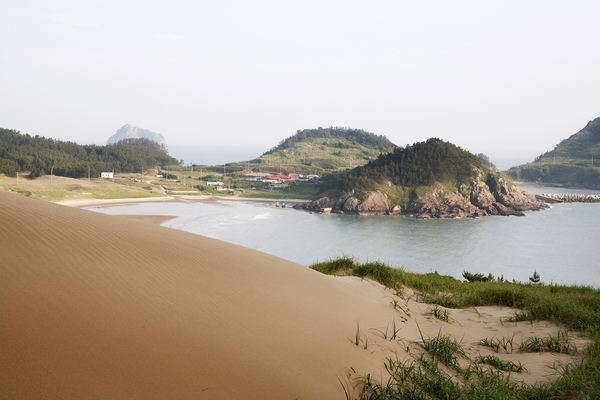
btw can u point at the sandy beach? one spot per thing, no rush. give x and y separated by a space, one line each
102 202
95 306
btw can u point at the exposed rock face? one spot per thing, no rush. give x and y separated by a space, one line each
446 205
374 204
134 132
480 198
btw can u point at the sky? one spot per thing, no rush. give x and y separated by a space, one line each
509 79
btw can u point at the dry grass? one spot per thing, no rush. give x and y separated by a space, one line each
58 188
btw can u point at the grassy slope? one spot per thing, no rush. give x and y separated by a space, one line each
564 171
574 161
317 151
319 155
312 151
575 307
125 186
64 189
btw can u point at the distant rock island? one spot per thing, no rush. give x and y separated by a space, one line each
133 132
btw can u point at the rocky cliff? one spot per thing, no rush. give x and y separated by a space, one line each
375 203
491 195
134 132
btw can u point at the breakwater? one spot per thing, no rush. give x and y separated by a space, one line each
570 198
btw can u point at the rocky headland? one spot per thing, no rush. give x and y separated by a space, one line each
481 197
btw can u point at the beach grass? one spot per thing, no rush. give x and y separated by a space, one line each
501 364
390 333
559 343
444 348
497 343
576 308
439 313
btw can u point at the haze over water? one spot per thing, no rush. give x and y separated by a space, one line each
561 243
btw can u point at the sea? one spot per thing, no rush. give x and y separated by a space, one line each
214 155
561 243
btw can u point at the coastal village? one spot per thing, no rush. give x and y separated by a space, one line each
273 181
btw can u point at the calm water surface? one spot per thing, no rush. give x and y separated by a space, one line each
561 243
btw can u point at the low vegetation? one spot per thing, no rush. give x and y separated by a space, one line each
320 151
574 161
439 313
561 171
560 343
55 188
441 371
501 365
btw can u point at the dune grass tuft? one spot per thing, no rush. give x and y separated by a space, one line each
438 313
360 339
577 308
443 348
497 343
502 365
390 333
558 344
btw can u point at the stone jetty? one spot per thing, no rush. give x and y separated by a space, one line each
570 198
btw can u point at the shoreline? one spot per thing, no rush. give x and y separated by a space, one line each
109 202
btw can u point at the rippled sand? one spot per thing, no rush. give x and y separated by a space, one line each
95 306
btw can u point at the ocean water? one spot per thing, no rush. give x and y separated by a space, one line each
214 155
561 243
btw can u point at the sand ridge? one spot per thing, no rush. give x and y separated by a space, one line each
94 306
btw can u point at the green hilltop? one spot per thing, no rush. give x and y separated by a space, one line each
573 162
421 164
319 151
406 173
428 179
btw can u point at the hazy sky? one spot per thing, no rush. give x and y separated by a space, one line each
505 78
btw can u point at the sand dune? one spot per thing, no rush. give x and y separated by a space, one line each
94 306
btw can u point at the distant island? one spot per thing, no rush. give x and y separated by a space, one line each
574 162
38 156
431 179
133 132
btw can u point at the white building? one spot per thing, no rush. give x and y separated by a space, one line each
108 175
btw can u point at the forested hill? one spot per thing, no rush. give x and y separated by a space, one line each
574 161
431 179
421 164
38 155
357 136
582 145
